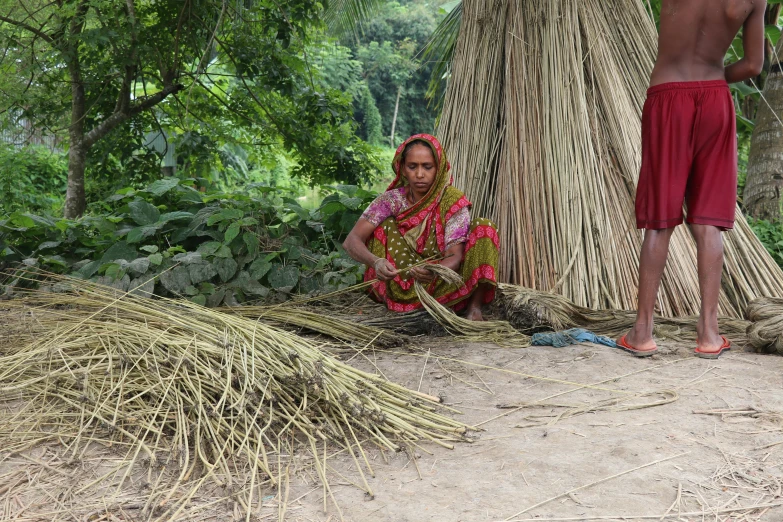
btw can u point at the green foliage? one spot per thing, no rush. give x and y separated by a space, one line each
238 74
387 50
390 52
32 179
214 248
341 71
771 235
343 16
440 50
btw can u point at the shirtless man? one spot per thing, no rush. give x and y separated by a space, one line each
689 151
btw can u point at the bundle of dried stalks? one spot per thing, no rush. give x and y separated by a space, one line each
379 331
323 323
765 334
498 332
542 124
529 310
201 390
447 274
419 322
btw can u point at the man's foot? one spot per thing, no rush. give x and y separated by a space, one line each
712 349
474 314
640 345
708 340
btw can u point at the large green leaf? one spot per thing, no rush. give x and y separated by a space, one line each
245 282
773 33
46 245
232 232
21 221
139 266
162 186
188 258
310 283
283 278
209 248
142 286
252 243
175 216
176 280
223 252
200 272
90 269
119 250
351 203
143 213
260 268
122 284
228 214
139 234
216 298
226 268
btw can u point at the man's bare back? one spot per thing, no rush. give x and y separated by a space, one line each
695 35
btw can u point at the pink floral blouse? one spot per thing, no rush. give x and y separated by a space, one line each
393 202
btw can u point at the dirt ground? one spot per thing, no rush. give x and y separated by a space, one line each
527 461
711 449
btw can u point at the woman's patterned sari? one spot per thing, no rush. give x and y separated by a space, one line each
420 231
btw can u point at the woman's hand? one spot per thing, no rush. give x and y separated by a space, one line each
422 275
385 270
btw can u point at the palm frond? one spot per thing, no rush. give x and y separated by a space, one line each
345 16
440 51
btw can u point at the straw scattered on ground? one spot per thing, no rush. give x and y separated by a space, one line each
202 394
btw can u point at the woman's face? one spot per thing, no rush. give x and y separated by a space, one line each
419 168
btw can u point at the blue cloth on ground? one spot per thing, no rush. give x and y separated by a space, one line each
569 337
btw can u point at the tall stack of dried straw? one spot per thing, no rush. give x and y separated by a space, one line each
542 124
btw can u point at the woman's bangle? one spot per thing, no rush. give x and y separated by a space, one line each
375 265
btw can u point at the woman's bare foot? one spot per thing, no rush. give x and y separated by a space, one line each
474 314
474 305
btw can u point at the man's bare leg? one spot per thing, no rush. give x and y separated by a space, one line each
709 243
655 250
475 303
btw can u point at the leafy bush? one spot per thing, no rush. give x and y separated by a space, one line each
214 248
771 235
32 179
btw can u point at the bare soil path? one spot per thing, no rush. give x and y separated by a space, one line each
713 464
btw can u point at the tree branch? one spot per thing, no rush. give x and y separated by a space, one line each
110 123
29 28
124 96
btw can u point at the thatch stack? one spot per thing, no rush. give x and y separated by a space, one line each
204 393
542 124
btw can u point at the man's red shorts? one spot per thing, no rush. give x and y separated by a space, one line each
689 153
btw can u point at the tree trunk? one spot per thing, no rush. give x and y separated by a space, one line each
396 111
75 199
765 161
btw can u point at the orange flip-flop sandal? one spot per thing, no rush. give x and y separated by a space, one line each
726 346
623 345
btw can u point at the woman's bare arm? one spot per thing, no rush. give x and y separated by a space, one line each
356 247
